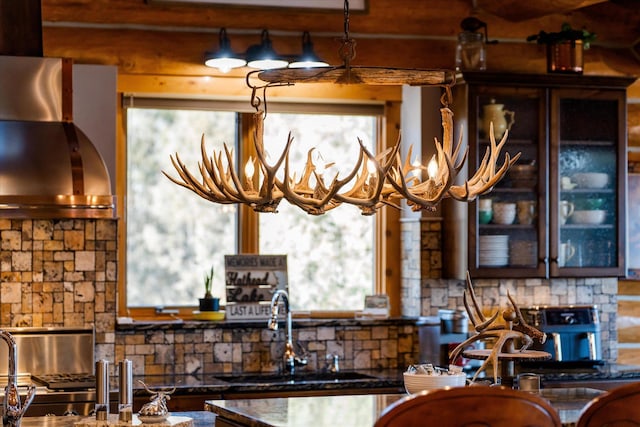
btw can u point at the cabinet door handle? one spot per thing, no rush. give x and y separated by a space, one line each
591 337
557 346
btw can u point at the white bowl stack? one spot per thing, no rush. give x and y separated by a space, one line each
504 213
591 180
415 383
593 217
493 251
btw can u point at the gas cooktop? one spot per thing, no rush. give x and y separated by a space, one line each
80 381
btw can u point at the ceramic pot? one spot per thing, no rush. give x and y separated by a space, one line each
565 57
209 304
502 119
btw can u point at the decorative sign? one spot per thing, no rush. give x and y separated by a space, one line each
250 282
376 306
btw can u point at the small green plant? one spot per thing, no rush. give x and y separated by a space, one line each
566 33
208 283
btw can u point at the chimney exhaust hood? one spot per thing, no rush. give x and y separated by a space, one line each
48 167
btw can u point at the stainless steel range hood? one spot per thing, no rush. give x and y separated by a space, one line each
48 166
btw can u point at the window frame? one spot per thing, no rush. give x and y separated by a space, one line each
387 257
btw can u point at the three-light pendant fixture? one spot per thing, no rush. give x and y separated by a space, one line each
261 56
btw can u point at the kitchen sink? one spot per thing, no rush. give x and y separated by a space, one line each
298 378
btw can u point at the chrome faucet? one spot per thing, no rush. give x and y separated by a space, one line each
13 408
290 358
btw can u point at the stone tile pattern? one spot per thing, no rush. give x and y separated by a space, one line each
430 248
64 273
438 293
411 260
259 350
60 273
492 294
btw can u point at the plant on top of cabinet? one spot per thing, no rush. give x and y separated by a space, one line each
566 34
565 48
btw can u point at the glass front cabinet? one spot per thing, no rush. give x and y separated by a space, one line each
560 211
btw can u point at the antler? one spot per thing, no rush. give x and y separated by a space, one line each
522 326
164 391
480 322
221 184
317 200
486 176
379 180
371 191
425 195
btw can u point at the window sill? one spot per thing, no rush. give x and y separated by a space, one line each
175 314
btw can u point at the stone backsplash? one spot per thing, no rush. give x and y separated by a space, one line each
227 347
56 273
492 295
63 273
437 293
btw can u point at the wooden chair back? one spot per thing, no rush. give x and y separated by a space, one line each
619 407
475 406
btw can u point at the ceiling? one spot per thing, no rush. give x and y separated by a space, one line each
166 37
381 16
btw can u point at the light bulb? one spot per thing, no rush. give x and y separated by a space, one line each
432 167
249 168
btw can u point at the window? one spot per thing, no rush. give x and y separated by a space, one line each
329 257
174 236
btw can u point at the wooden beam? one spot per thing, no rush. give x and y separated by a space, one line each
518 10
236 87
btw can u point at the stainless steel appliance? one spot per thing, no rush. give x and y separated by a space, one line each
60 362
50 168
573 334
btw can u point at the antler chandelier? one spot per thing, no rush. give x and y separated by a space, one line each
374 180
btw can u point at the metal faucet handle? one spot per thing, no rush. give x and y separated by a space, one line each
303 354
333 363
14 407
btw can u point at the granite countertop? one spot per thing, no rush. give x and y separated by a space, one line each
200 419
319 411
228 384
604 376
356 410
377 381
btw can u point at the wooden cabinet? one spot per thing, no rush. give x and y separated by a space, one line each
561 210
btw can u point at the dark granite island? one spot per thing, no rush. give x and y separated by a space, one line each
200 419
353 410
317 411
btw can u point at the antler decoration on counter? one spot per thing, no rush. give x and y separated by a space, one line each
504 335
378 180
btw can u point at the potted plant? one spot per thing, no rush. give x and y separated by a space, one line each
209 303
565 48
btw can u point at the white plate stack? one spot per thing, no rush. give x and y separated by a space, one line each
493 251
522 252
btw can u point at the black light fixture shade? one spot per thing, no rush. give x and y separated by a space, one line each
224 58
263 56
308 58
